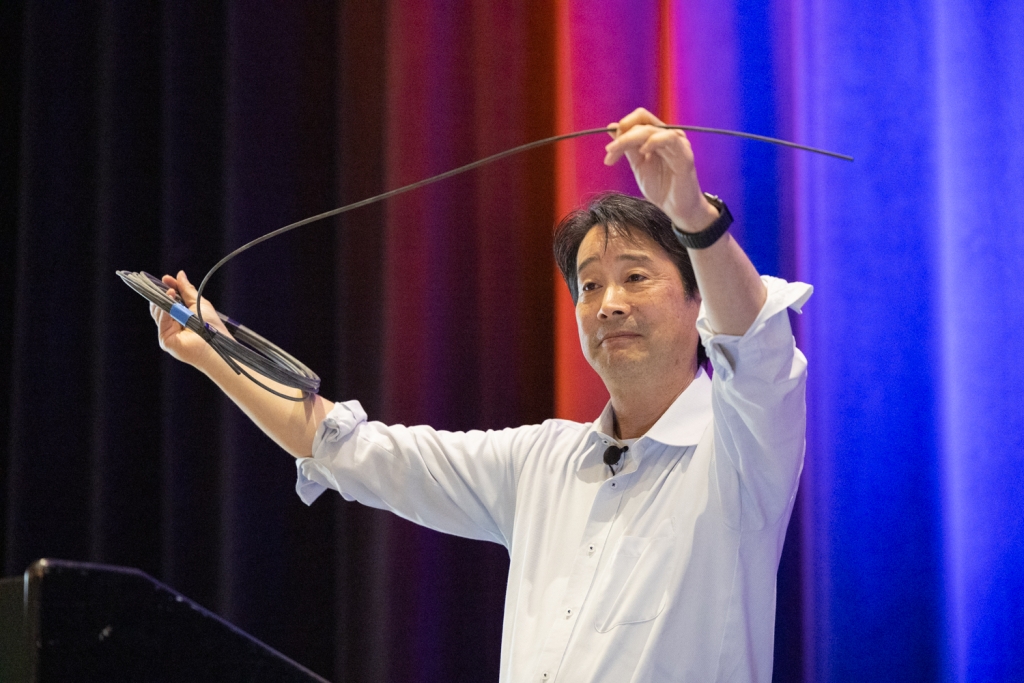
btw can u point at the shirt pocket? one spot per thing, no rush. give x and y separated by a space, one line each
635 582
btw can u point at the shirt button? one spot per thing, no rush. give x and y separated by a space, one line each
613 484
568 613
590 547
544 675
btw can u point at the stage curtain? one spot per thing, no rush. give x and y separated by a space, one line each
155 137
899 562
159 136
915 469
467 311
607 66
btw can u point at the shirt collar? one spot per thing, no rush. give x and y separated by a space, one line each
681 425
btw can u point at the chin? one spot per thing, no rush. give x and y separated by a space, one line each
620 365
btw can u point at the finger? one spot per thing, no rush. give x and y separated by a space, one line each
189 294
186 289
629 141
638 117
668 143
635 136
613 154
162 321
161 318
613 129
169 281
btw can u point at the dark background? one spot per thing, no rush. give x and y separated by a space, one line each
157 136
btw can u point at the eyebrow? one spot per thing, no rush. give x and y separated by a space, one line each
638 258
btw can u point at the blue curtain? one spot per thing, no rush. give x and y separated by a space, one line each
913 515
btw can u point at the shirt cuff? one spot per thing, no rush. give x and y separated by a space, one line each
724 350
316 473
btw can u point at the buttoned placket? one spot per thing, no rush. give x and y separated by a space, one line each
602 515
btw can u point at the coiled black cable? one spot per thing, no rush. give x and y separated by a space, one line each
247 349
267 359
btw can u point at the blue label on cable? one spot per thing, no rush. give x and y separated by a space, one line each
181 313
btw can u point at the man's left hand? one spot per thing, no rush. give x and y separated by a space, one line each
662 162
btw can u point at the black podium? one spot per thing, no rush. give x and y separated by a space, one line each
73 621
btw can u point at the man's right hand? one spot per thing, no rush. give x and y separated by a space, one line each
177 340
291 424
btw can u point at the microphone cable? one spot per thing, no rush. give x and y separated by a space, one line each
271 361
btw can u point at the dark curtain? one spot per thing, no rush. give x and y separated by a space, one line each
158 136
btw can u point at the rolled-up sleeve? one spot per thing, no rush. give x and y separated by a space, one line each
758 403
461 483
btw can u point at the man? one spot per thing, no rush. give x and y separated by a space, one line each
643 547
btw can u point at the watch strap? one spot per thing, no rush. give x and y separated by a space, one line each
711 234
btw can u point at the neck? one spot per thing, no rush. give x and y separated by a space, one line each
638 405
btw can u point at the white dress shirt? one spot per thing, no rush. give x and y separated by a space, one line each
664 571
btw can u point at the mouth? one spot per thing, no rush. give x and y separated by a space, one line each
619 336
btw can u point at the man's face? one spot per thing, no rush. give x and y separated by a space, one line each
636 323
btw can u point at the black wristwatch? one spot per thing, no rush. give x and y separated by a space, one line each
709 235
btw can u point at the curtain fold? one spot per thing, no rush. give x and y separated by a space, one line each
607 65
190 227
914 454
467 315
59 80
157 136
979 149
872 476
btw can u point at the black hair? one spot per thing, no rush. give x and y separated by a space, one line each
621 213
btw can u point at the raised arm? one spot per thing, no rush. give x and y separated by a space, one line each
292 424
662 162
759 413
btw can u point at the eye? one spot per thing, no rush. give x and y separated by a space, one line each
635 277
588 287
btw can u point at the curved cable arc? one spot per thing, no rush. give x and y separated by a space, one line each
487 160
249 349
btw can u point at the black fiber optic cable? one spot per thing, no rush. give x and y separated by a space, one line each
255 352
248 349
483 162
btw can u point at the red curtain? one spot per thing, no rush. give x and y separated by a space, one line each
607 65
467 311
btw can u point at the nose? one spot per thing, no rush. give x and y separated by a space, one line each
613 303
